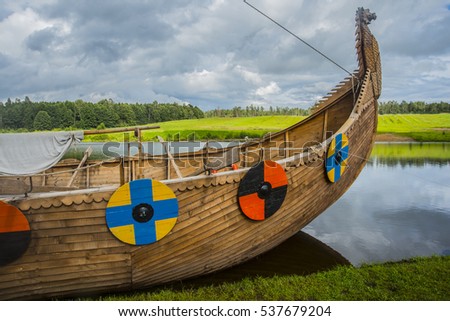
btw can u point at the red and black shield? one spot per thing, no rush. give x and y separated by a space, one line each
15 233
262 190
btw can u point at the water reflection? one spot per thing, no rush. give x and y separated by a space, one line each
410 154
396 209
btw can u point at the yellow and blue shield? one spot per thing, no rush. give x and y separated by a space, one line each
337 157
142 212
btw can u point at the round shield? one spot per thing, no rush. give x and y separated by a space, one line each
15 233
337 156
262 190
142 212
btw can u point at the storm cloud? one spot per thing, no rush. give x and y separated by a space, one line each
215 53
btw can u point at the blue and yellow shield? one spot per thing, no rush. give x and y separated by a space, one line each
337 157
142 212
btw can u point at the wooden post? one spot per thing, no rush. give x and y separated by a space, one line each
168 161
287 146
88 178
87 153
129 158
245 156
44 178
261 152
172 160
140 170
325 124
205 158
122 171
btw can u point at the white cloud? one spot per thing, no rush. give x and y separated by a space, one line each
270 89
215 53
249 76
16 28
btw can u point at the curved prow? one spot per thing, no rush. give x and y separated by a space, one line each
367 49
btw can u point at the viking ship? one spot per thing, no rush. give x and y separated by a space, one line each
90 227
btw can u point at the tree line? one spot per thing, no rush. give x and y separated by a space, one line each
28 115
253 111
390 107
413 107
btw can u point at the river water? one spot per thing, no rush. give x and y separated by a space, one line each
399 207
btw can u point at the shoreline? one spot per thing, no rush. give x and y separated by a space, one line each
415 279
392 138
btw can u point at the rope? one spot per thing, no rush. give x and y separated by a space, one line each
298 38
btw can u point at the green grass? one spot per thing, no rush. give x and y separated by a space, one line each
212 128
432 128
415 279
427 127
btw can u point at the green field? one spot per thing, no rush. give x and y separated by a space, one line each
415 279
427 127
212 128
433 128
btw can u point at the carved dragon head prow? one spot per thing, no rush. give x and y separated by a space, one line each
365 16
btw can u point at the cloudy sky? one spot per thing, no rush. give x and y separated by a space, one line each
215 53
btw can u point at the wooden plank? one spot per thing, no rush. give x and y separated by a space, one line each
12 186
69 258
37 287
61 268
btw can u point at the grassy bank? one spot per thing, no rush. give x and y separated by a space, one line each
433 128
415 279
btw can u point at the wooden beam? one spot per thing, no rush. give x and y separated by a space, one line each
172 160
87 153
325 125
118 130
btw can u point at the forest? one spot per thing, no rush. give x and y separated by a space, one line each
25 115
28 115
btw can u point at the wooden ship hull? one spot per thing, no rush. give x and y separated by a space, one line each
70 249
